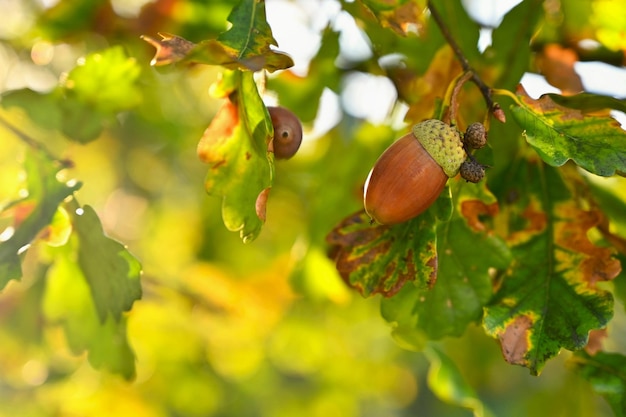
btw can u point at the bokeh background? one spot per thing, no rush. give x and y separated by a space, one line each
223 328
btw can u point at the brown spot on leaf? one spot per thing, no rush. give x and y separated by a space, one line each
261 204
218 164
514 340
432 278
571 233
545 105
356 231
536 222
472 210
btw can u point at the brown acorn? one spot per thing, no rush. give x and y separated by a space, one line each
404 182
287 132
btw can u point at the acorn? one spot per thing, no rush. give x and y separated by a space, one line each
412 172
287 133
475 136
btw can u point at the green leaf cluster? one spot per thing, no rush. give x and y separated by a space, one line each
89 98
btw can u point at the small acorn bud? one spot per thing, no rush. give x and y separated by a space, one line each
475 136
287 132
472 171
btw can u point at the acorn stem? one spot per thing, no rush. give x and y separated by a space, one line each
451 97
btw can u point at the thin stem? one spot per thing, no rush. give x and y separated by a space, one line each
33 143
456 89
485 90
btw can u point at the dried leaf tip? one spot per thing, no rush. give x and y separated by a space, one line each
169 49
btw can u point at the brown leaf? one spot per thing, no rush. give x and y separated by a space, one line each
557 65
424 90
572 235
404 19
536 222
169 49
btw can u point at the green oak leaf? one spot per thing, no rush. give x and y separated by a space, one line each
33 213
468 257
548 298
42 109
235 148
112 273
381 259
435 270
69 299
245 46
467 261
588 102
596 143
103 84
382 5
506 59
606 372
105 81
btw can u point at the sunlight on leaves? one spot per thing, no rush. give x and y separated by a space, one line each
304 92
105 80
87 99
596 143
33 213
609 17
235 148
69 301
245 46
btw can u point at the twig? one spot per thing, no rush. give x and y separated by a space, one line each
34 144
485 90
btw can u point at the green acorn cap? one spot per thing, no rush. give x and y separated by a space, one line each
443 144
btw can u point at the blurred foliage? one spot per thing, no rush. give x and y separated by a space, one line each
123 293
